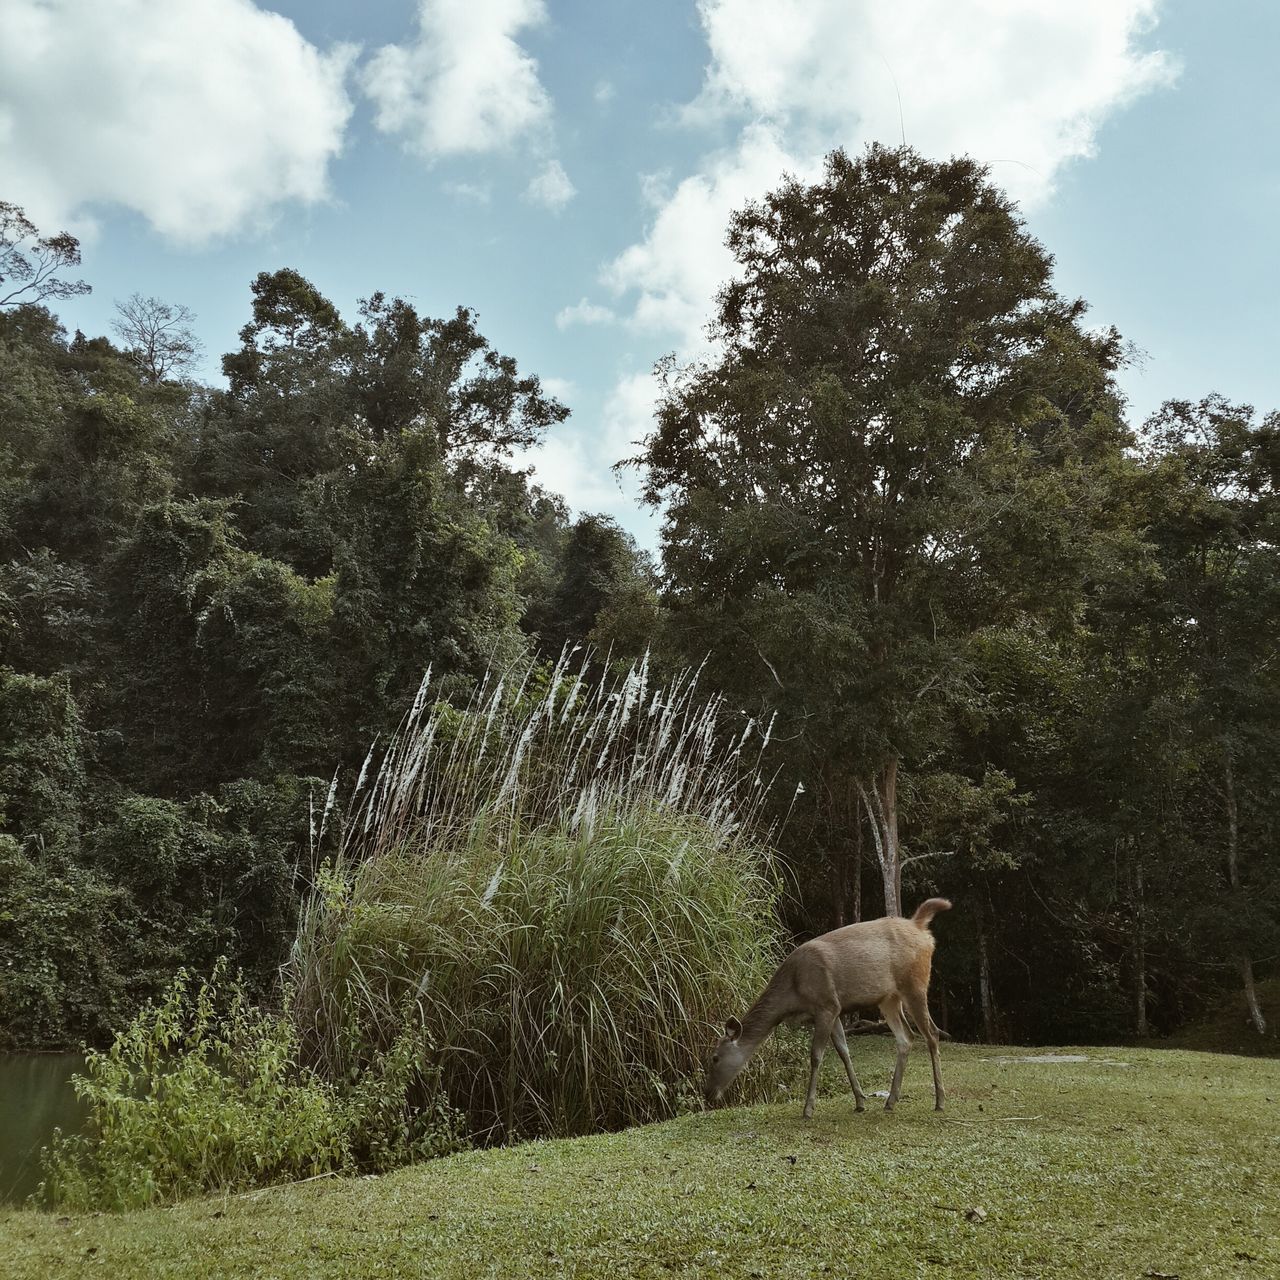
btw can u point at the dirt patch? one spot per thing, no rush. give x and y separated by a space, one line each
1056 1058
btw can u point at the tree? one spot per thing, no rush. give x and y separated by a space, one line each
158 336
410 370
30 262
1216 529
903 442
598 566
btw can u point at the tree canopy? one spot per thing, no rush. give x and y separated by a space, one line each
906 441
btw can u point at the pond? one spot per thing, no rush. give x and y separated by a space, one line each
35 1098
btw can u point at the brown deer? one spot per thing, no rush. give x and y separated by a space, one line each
879 962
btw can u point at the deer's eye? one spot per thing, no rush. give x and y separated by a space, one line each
715 1057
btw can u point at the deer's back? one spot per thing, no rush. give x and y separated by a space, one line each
866 962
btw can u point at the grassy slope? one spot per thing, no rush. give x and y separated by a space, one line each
1170 1165
1229 1030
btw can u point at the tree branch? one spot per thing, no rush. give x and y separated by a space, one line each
938 853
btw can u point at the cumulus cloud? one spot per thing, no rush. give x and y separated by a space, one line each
204 116
551 187
675 270
463 84
577 461
584 312
1021 84
1021 81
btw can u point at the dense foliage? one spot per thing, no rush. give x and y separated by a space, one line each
543 904
209 598
1014 647
1029 655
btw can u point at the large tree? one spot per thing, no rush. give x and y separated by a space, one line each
1215 525
903 442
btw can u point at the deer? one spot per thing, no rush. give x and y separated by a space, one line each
878 962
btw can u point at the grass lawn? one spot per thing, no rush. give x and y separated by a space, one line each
1169 1165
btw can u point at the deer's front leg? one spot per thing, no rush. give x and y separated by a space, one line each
818 1047
842 1048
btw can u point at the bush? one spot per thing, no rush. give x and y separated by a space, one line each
91 929
556 883
65 941
203 1092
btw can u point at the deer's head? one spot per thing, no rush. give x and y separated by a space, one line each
727 1059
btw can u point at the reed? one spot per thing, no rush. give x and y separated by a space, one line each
561 885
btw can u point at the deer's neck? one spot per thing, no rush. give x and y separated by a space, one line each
770 1008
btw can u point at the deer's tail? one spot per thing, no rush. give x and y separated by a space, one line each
925 912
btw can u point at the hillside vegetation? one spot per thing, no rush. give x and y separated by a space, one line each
1228 1028
1133 1162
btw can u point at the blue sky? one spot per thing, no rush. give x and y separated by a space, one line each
566 168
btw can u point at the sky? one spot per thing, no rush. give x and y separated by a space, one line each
567 168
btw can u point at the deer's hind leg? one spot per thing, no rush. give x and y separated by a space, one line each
917 1003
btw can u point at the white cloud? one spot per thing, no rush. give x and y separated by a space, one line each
1021 84
463 84
1022 81
551 188
676 270
562 389
584 312
204 116
478 192
576 460
604 92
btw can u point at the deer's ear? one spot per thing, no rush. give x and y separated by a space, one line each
733 1028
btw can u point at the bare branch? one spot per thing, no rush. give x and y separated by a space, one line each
29 263
772 671
936 853
159 336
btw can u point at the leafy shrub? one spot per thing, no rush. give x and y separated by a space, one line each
203 1092
65 936
211 876
41 770
557 884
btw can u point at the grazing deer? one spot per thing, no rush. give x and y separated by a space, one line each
879 962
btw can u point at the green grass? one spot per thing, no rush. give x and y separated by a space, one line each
1168 1165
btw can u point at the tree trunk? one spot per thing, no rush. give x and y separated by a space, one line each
1251 996
846 875
855 911
984 980
839 890
1141 1027
880 800
1233 878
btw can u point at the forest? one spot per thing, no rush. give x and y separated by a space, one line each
995 640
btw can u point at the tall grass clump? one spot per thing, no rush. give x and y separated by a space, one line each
560 885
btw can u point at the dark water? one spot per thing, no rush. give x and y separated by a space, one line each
35 1098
